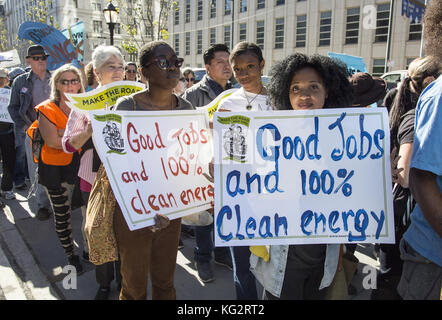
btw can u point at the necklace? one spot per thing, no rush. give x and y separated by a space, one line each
249 103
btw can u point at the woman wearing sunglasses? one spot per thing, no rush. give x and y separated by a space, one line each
189 76
153 250
108 67
57 170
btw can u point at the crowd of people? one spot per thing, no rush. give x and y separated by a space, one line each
52 145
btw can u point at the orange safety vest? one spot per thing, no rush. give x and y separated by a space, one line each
51 156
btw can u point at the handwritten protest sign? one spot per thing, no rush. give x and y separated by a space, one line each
76 36
102 97
298 177
155 162
59 48
4 102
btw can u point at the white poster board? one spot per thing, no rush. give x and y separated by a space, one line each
303 177
155 162
5 95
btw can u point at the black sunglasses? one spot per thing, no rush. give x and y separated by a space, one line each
131 71
66 82
165 64
190 79
42 58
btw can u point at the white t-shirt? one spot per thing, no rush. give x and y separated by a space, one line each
237 101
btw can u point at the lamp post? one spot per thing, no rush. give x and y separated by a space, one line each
111 15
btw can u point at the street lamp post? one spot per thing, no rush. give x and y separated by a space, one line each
111 15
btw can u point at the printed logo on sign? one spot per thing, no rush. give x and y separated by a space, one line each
234 138
112 133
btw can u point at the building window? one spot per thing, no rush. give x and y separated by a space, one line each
98 27
187 11
382 20
200 10
212 36
75 3
378 67
325 28
187 43
280 2
227 7
243 32
117 28
279 33
260 34
95 6
352 26
176 14
227 36
301 31
415 31
199 42
212 8
261 4
242 5
407 63
176 44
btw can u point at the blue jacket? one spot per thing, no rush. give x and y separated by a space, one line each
20 104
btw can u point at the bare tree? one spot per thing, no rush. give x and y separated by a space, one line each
144 21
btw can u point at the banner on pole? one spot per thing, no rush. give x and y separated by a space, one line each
59 48
76 36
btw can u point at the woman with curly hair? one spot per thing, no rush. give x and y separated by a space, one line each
301 272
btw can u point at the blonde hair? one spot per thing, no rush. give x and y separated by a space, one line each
422 68
55 94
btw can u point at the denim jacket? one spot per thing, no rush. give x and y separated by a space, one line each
271 274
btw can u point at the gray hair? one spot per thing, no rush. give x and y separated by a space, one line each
103 53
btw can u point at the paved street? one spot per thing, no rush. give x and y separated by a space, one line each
32 262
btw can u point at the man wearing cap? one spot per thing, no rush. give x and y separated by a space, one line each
28 90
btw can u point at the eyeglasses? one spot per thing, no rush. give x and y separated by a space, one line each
165 64
190 79
66 82
131 71
42 58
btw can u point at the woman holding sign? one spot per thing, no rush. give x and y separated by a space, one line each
57 170
302 82
108 67
248 64
152 250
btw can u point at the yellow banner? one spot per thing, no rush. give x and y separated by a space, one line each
102 97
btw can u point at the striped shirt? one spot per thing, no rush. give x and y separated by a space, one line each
77 123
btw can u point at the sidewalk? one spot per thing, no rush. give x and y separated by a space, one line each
32 262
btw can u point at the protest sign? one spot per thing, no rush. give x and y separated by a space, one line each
76 36
9 59
155 162
354 64
102 97
59 48
213 105
302 177
4 102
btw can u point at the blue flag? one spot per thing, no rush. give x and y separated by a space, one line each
60 49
